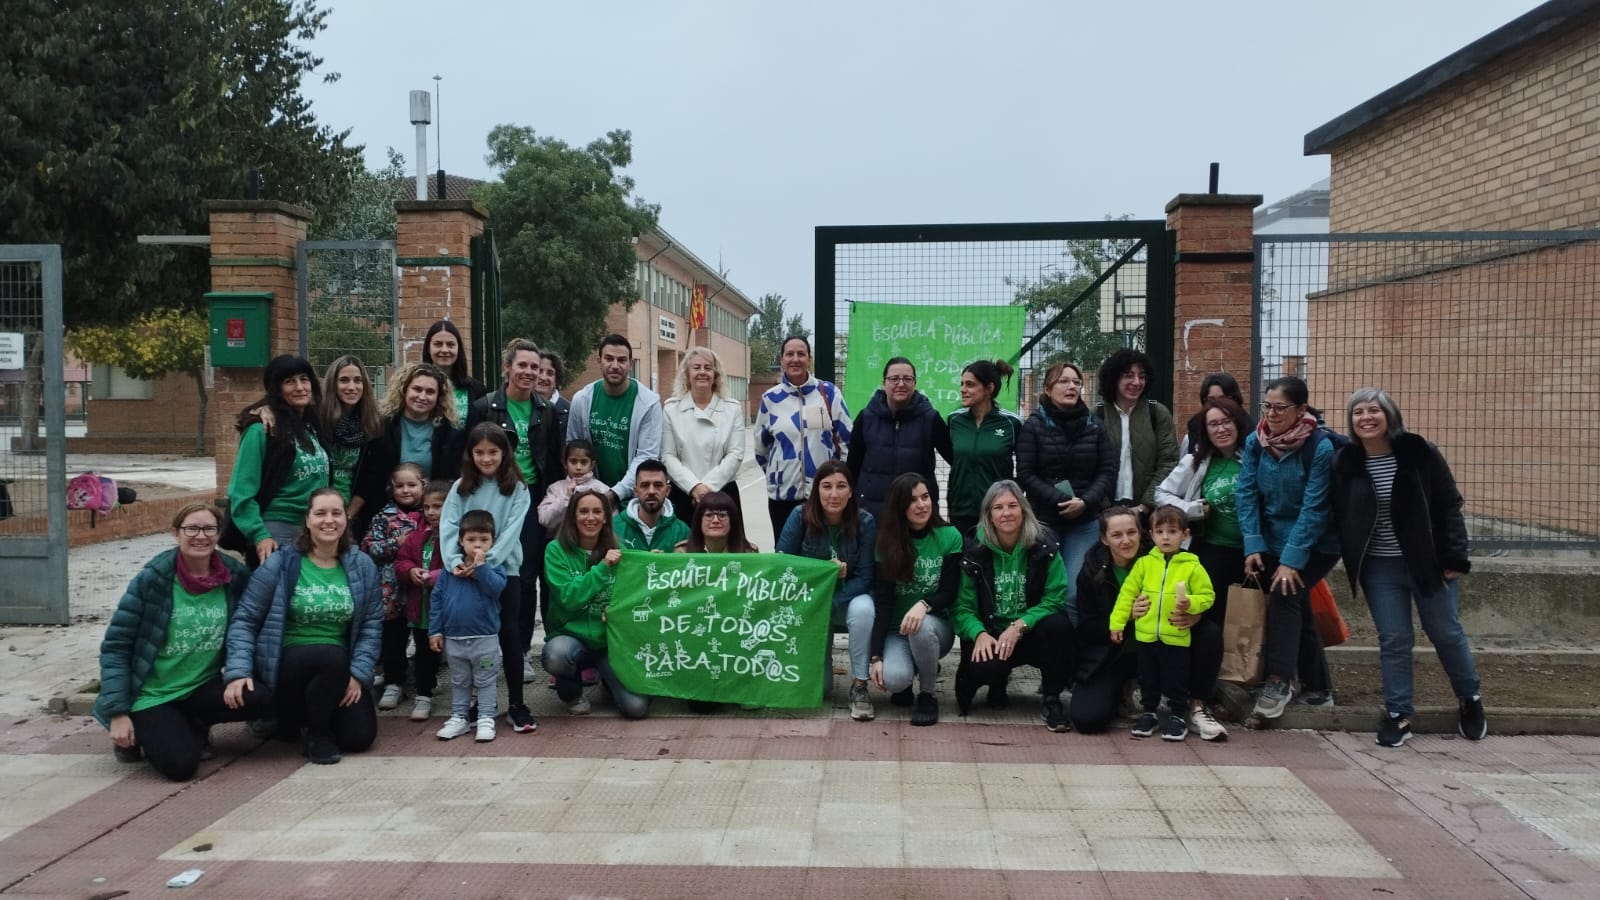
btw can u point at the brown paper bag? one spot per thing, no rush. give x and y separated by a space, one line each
1243 635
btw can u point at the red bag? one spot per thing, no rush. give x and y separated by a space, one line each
1330 625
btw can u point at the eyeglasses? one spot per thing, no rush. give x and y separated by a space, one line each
716 514
1278 407
1075 382
197 530
901 379
1220 426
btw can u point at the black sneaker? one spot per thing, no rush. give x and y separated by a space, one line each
926 710
902 698
1176 729
1055 716
1473 726
1393 731
322 750
127 754
1146 726
522 721
263 729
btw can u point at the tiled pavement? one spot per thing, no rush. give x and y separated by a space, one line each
750 805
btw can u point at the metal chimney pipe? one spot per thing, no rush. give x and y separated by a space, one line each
421 115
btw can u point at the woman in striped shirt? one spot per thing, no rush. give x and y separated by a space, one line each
1404 543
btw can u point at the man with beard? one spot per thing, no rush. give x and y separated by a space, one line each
648 522
620 416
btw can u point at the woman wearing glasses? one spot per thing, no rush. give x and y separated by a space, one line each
716 526
1286 521
161 685
896 433
1203 485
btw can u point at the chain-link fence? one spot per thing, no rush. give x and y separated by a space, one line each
349 296
1489 343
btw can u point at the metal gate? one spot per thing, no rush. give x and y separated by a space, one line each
33 463
1488 342
485 337
1088 287
349 295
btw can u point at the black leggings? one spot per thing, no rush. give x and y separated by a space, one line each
531 580
173 734
392 651
312 680
1293 646
1047 645
426 662
1095 701
511 640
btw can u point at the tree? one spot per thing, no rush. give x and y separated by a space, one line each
768 329
154 345
564 224
1081 338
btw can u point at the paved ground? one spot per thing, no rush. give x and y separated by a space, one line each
777 804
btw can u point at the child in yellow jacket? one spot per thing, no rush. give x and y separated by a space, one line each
1174 582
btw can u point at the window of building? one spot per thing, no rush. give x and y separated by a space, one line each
112 383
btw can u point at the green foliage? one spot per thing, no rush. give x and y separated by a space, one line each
366 213
1081 338
159 343
768 329
122 118
564 222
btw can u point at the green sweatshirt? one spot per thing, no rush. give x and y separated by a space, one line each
669 531
983 455
581 594
1158 578
1010 590
307 472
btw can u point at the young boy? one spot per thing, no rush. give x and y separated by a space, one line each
464 622
1174 581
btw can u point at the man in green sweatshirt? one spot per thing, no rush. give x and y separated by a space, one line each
648 522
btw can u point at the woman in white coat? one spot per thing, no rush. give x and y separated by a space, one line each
702 436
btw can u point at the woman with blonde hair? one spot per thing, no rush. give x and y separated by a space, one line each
418 426
702 434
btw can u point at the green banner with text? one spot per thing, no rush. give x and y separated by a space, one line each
939 340
727 627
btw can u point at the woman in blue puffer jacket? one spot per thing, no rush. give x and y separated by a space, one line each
309 628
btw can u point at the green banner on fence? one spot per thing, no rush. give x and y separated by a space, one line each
939 340
729 627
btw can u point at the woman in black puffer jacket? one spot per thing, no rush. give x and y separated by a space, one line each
1062 445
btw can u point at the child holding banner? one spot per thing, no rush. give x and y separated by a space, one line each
581 564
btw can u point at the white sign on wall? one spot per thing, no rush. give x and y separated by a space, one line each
11 350
669 329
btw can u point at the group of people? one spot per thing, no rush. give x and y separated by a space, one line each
446 520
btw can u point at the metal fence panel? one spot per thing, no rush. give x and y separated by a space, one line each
349 304
1488 341
33 461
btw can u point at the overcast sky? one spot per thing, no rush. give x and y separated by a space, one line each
753 122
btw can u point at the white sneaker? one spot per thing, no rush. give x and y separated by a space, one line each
485 729
529 676
377 681
579 707
454 727
1206 725
391 697
422 709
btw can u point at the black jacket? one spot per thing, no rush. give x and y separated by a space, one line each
977 563
1424 507
886 443
370 481
1092 600
1080 453
542 434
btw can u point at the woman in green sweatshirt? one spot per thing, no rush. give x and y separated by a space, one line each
275 474
1010 610
581 564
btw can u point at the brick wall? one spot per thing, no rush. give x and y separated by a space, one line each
1494 362
1512 145
1211 315
133 520
165 423
440 230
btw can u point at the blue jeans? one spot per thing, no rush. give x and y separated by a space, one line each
565 657
1076 537
855 614
916 654
1390 594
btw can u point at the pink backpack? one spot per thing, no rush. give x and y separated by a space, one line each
94 492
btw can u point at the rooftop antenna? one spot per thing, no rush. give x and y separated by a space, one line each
421 115
438 132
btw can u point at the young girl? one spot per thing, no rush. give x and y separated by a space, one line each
579 462
417 565
490 481
387 531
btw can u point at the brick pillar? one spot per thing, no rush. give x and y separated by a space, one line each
1211 315
433 248
252 249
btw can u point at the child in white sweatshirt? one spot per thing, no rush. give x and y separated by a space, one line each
579 462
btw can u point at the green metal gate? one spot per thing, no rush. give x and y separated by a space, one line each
485 335
1088 287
